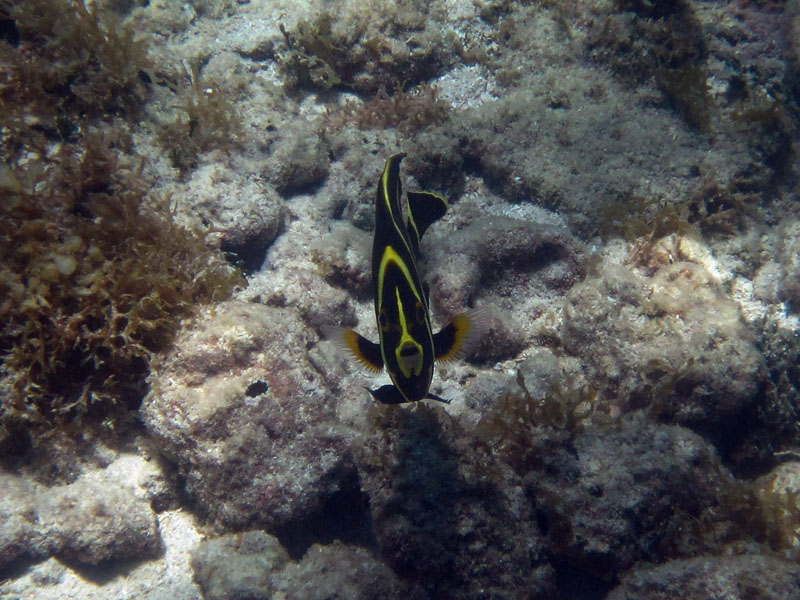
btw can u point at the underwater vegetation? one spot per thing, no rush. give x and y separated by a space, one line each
666 43
365 51
63 62
408 111
513 425
622 177
204 119
663 40
95 274
95 278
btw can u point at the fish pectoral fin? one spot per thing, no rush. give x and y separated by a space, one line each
460 336
355 345
388 394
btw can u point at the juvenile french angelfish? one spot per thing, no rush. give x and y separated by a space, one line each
407 348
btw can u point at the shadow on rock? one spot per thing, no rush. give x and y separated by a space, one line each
449 519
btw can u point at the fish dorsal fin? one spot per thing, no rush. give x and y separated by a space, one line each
423 209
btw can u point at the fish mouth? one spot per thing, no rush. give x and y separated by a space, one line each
409 357
409 351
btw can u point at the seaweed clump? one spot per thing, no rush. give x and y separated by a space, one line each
779 503
63 62
408 111
347 47
205 119
710 210
95 275
521 426
660 40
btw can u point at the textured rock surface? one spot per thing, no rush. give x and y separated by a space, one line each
297 160
247 214
613 496
254 565
238 565
754 577
663 133
241 411
86 521
308 268
504 258
165 576
790 263
339 571
672 342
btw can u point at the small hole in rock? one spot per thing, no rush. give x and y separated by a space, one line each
256 388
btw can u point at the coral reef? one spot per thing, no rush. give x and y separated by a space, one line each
672 342
622 187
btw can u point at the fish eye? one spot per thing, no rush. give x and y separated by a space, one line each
383 320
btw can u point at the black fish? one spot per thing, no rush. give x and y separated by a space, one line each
408 348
